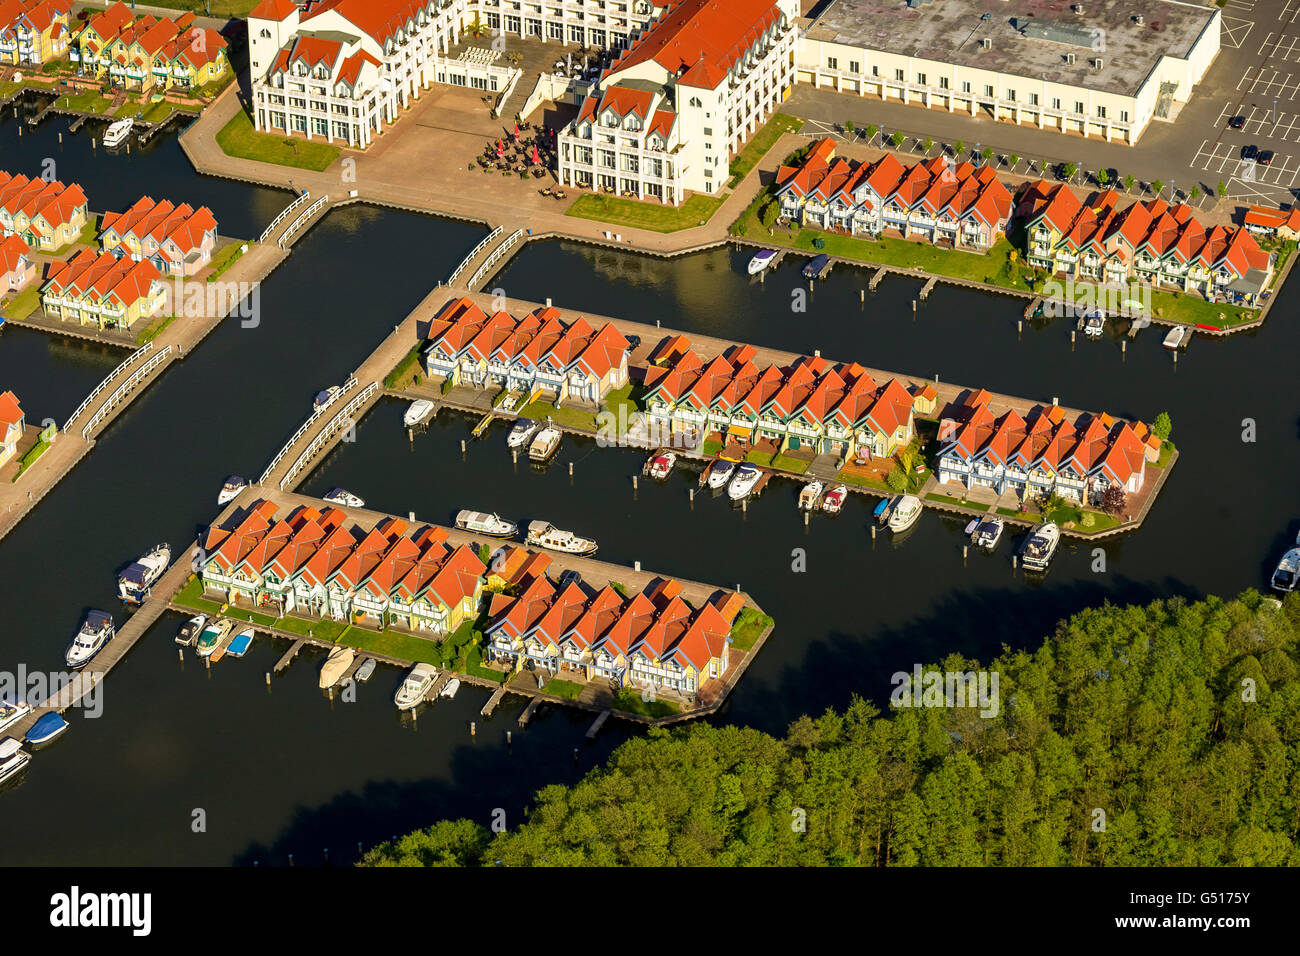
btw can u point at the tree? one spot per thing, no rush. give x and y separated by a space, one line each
1068 170
1195 194
872 130
1128 183
1015 160
1103 176
1158 186
928 145
1222 189
896 479
1113 500
1163 426
896 139
848 127
958 148
987 154
769 213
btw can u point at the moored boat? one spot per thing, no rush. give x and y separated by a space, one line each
347 499
96 631
521 433
190 630
418 411
660 465
323 398
12 758
483 523
720 473
988 532
1287 574
336 665
815 266
881 511
1094 323
543 534
451 687
240 643
1177 337
834 500
904 513
416 685
230 490
46 729
12 711
544 444
134 583
212 636
365 670
117 133
761 261
809 495
743 481
1040 547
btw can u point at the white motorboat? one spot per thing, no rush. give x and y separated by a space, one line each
761 261
660 466
521 433
834 500
12 758
543 534
344 498
743 481
336 665
720 473
211 636
904 513
1040 547
483 523
416 685
117 133
12 711
1094 323
134 583
230 490
1177 337
453 685
366 669
544 444
190 630
1287 573
988 532
418 412
96 631
809 495
323 398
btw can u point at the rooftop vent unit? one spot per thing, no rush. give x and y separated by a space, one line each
1097 64
1077 8
1069 58
986 43
1139 19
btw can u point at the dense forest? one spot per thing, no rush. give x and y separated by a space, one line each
1158 735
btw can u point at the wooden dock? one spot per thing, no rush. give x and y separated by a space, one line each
481 427
289 655
597 724
219 651
878 277
492 702
927 288
527 715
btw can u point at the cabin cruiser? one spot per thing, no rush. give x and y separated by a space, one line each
904 513
240 643
345 498
336 665
482 523
117 133
1287 574
1177 337
365 670
743 481
96 631
46 729
12 711
453 685
323 398
761 261
418 412
212 636
1094 323
12 758
545 535
988 533
834 500
134 583
523 430
190 630
545 444
1040 547
816 266
661 465
416 685
231 489
809 494
720 473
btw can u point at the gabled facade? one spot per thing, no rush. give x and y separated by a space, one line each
34 32
103 290
177 240
151 54
12 424
45 214
17 267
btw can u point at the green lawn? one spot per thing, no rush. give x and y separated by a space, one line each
405 647
862 481
1191 310
540 411
760 143
325 630
750 624
621 398
87 101
647 214
239 139
629 700
788 463
32 454
24 303
1011 513
562 688
947 499
217 8
1084 519
405 370
154 329
224 259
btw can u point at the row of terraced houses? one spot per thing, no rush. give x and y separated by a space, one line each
651 638
312 562
536 354
936 201
809 404
45 214
1042 452
151 54
33 32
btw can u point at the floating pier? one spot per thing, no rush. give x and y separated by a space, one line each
925 290
878 277
481 427
527 715
289 655
492 702
597 724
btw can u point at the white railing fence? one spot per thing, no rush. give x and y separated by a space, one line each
493 259
125 387
326 433
302 429
266 233
486 241
142 350
303 217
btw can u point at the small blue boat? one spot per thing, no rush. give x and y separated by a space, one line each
46 729
241 643
881 511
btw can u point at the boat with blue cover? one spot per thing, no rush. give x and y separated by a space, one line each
241 643
46 729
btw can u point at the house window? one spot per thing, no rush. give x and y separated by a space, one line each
1123 116
1011 96
1033 99
855 66
1078 106
832 63
875 71
943 82
988 89
1056 102
965 86
899 76
1101 112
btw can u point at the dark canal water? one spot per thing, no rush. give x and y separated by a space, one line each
280 770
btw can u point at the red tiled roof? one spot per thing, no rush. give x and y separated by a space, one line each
276 10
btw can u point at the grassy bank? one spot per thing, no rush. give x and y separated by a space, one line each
760 143
646 214
749 626
23 304
238 138
29 459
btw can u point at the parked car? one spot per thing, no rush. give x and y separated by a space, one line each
1237 122
1265 157
1249 152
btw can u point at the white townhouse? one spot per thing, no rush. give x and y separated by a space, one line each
684 96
